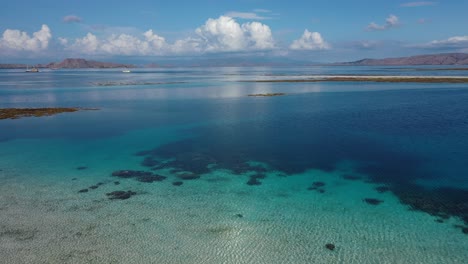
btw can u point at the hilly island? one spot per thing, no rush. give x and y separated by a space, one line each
71 63
429 59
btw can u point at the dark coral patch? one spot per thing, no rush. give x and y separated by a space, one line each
120 195
253 181
116 183
373 201
83 190
318 184
465 230
151 178
439 202
93 187
81 168
177 183
188 176
141 176
130 173
330 246
258 176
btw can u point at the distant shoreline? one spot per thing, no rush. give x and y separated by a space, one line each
15 113
380 78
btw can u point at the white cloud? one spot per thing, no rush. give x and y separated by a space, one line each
16 40
258 35
457 42
225 34
63 41
122 44
310 41
390 22
417 4
72 19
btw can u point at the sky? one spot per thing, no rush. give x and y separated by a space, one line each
144 30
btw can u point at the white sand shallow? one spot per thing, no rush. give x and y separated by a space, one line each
44 221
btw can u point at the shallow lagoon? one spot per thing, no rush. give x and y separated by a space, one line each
261 180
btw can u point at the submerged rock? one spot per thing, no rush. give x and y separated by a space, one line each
141 176
130 173
81 168
120 195
116 183
188 176
318 184
83 190
330 246
253 181
177 183
151 178
373 201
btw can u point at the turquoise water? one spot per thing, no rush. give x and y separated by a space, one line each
377 169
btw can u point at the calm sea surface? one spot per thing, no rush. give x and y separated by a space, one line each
207 174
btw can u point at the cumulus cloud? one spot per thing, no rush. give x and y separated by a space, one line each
16 40
72 19
310 41
225 34
390 22
417 4
121 44
457 42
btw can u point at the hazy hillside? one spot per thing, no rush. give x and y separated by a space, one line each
82 63
435 59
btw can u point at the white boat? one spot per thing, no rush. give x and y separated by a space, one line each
126 70
33 69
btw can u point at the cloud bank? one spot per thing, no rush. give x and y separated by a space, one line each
14 40
310 41
459 43
390 22
223 34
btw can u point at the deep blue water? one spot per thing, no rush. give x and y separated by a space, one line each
411 138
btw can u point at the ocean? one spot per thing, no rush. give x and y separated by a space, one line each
180 165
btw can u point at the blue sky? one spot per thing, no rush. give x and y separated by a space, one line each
322 31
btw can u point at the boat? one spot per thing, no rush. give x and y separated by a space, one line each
33 69
126 70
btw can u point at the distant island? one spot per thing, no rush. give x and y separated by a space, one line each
80 63
431 59
71 63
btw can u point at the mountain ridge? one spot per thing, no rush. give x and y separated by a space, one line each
428 59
